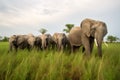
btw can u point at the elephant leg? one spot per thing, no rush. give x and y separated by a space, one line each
77 48
39 47
72 49
62 47
86 44
83 49
16 48
58 47
28 47
54 45
10 47
91 43
99 40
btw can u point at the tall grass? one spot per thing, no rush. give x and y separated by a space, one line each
53 65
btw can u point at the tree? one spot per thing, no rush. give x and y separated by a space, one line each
69 27
0 38
5 39
111 38
42 31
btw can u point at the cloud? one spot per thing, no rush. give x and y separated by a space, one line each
34 13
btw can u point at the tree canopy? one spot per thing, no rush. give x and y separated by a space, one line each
43 30
111 38
0 37
68 28
5 38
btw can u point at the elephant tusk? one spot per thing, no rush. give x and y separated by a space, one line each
95 42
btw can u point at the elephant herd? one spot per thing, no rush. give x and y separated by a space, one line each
41 42
83 35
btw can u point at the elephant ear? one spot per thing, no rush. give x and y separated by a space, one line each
86 26
95 27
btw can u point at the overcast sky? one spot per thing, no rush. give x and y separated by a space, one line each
28 16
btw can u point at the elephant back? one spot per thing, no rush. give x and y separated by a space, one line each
75 36
21 39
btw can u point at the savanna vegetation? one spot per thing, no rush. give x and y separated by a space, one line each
54 65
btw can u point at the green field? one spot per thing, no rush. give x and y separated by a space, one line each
54 65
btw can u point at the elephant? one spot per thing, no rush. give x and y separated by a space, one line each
51 43
38 42
74 37
61 40
92 29
28 40
47 41
18 41
21 42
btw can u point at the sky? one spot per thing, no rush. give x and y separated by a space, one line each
29 16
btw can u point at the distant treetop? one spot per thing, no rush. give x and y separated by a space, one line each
69 27
43 30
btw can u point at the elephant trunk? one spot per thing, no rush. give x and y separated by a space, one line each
43 44
99 40
60 41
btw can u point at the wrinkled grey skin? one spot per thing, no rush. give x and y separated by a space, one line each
38 43
21 42
61 40
47 41
92 29
75 38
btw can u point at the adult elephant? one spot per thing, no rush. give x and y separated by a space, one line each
18 41
74 37
92 29
21 42
51 43
47 41
61 40
38 42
